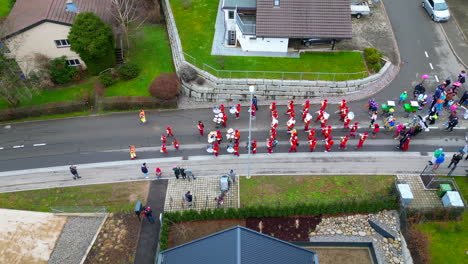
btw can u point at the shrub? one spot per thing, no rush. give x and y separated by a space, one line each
107 79
200 80
369 51
166 86
373 59
187 73
60 72
128 71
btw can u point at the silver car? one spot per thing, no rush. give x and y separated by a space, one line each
437 9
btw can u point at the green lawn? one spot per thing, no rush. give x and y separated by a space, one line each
261 190
449 240
116 197
150 49
48 96
5 6
196 30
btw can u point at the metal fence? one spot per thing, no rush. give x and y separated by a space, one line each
79 209
278 75
200 203
429 175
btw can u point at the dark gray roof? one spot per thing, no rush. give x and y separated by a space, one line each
304 19
237 245
232 4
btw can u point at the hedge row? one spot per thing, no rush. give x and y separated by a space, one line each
387 203
54 108
135 102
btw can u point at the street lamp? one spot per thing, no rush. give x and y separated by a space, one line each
251 90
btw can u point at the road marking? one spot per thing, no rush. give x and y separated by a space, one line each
437 78
430 65
40 144
7 127
1 148
19 146
427 56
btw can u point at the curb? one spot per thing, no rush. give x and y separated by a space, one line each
451 46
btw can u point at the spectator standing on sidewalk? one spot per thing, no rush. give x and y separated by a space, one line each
255 102
232 175
176 171
189 173
452 123
437 153
158 173
463 98
74 172
188 198
182 173
144 170
455 159
439 161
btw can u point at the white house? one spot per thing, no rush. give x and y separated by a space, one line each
270 25
42 27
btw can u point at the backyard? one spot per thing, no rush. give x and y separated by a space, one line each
197 39
448 240
5 6
264 190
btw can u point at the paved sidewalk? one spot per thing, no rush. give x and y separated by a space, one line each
422 197
370 163
456 30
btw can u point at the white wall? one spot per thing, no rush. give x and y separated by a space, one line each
40 39
261 44
230 23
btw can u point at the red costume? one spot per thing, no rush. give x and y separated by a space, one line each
343 142
163 149
354 128
175 143
254 146
163 139
326 131
169 131
306 106
236 150
133 152
252 110
270 145
224 119
405 145
328 144
346 123
273 133
323 121
200 127
304 114
221 108
274 114
319 116
362 139
342 105
291 122
307 124
238 109
293 147
312 144
273 106
237 136
344 112
219 136
324 105
375 131
215 149
311 134
290 107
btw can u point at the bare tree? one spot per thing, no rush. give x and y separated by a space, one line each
127 14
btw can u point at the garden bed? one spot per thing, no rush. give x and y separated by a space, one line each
295 228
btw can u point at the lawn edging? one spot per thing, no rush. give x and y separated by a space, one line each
302 209
221 89
53 108
134 102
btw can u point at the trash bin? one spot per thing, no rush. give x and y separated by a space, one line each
443 188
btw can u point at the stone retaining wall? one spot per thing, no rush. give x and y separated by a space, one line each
219 89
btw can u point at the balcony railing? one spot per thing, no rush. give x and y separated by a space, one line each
245 24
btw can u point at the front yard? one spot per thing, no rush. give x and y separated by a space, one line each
5 6
448 240
270 190
196 30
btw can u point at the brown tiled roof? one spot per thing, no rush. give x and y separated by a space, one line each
304 19
26 14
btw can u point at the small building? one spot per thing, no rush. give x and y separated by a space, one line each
272 25
42 26
238 245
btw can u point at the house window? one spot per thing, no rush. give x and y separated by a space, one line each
276 3
61 43
231 14
73 63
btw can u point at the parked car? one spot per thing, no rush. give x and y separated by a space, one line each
437 9
359 10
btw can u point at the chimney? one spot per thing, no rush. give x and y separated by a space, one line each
71 7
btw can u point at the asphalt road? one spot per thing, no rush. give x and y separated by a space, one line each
107 137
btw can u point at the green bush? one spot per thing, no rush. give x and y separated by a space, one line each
60 72
128 71
107 79
373 59
369 51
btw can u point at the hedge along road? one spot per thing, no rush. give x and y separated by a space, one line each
107 137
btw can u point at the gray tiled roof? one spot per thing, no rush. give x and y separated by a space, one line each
237 245
304 19
251 4
26 14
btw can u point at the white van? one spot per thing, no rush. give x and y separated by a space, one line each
437 9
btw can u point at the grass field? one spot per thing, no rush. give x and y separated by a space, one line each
448 240
197 39
5 6
151 50
261 190
116 197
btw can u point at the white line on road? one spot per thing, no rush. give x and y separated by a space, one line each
427 56
430 65
19 146
1 148
437 78
40 144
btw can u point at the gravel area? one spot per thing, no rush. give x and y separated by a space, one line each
75 239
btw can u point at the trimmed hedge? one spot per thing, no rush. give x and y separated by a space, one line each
135 102
348 206
54 108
